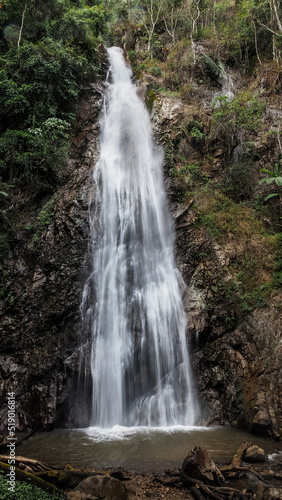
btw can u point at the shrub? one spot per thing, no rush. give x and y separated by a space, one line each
244 111
25 491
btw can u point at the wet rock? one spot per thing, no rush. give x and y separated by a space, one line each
199 465
97 487
254 454
239 373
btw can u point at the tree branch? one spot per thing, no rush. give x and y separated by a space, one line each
269 29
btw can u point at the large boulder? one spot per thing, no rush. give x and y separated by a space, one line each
96 487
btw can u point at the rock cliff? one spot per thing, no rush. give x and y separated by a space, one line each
40 309
237 350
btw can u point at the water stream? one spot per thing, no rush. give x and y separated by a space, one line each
132 299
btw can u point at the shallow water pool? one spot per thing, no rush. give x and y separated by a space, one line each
140 449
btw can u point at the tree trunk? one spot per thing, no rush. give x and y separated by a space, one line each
21 28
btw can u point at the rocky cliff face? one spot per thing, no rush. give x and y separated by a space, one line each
40 309
237 359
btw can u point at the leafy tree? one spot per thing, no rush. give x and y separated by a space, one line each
42 73
28 18
148 14
172 15
233 115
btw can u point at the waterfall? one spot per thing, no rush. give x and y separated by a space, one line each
139 360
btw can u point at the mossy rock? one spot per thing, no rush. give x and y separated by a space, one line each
61 478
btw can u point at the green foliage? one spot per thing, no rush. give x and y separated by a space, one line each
241 302
40 82
193 171
72 22
244 111
24 491
168 149
230 321
156 71
150 98
197 135
195 130
255 262
33 156
243 29
84 24
210 223
131 54
188 175
275 176
234 118
212 69
44 219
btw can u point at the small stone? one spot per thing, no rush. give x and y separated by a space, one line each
218 153
268 474
273 494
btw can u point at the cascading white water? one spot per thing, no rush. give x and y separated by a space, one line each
139 361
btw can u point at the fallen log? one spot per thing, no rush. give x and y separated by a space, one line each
203 487
197 485
168 482
195 491
23 462
240 453
230 472
173 472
